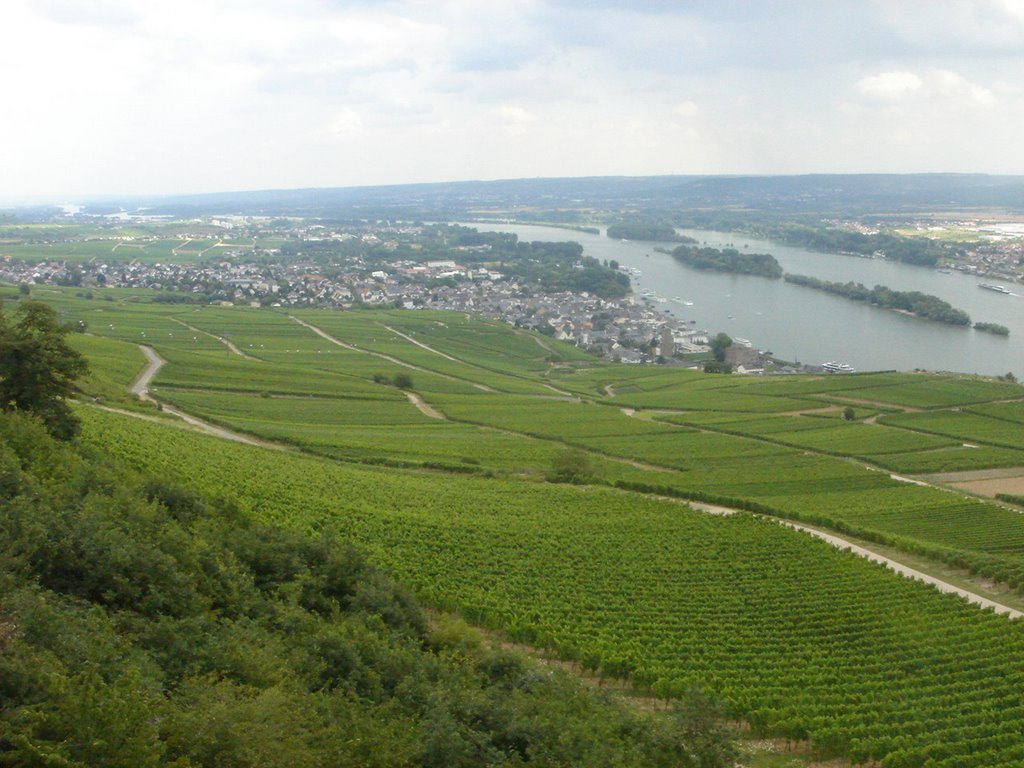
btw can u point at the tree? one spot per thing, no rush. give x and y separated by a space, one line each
570 466
848 413
719 344
715 366
38 369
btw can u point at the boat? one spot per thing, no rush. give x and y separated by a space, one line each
944 271
833 367
742 342
996 288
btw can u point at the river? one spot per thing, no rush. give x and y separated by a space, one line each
809 326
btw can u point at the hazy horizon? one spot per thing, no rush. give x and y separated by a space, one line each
126 97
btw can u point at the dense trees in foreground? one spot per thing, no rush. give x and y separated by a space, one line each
144 625
37 367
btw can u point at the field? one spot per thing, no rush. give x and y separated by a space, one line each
802 640
798 639
512 402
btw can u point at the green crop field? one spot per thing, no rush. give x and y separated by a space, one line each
740 441
963 426
801 640
798 639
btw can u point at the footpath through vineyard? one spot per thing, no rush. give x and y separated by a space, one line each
140 387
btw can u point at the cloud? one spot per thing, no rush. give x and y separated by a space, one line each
686 109
190 95
937 85
890 86
346 120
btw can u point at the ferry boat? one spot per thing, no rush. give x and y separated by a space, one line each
996 288
833 367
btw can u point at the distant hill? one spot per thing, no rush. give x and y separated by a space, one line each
562 197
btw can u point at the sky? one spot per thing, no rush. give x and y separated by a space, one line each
109 97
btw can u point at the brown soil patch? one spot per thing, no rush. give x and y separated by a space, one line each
974 474
1011 485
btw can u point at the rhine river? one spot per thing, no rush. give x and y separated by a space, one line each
805 325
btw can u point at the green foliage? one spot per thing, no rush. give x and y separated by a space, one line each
717 366
912 250
993 328
719 344
144 624
728 260
792 635
571 466
38 369
916 303
848 413
645 231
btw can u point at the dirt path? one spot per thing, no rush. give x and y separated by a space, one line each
154 363
711 509
421 345
903 570
540 342
324 335
175 250
426 410
564 393
609 391
221 339
140 387
875 403
809 411
410 339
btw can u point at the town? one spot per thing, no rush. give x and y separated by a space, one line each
370 266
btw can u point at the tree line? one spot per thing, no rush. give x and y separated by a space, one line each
917 303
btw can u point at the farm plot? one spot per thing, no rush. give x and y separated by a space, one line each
801 640
966 427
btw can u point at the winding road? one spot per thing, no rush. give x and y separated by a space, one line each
221 339
140 387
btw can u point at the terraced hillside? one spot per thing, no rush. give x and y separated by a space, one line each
472 417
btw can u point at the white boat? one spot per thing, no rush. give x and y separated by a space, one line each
996 288
833 367
742 342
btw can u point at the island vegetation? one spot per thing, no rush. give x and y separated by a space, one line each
994 328
728 260
912 302
646 231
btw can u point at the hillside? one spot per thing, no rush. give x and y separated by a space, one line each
145 624
447 482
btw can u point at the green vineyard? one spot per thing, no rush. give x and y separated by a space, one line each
430 440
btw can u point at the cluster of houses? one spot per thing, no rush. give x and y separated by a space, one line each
627 330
